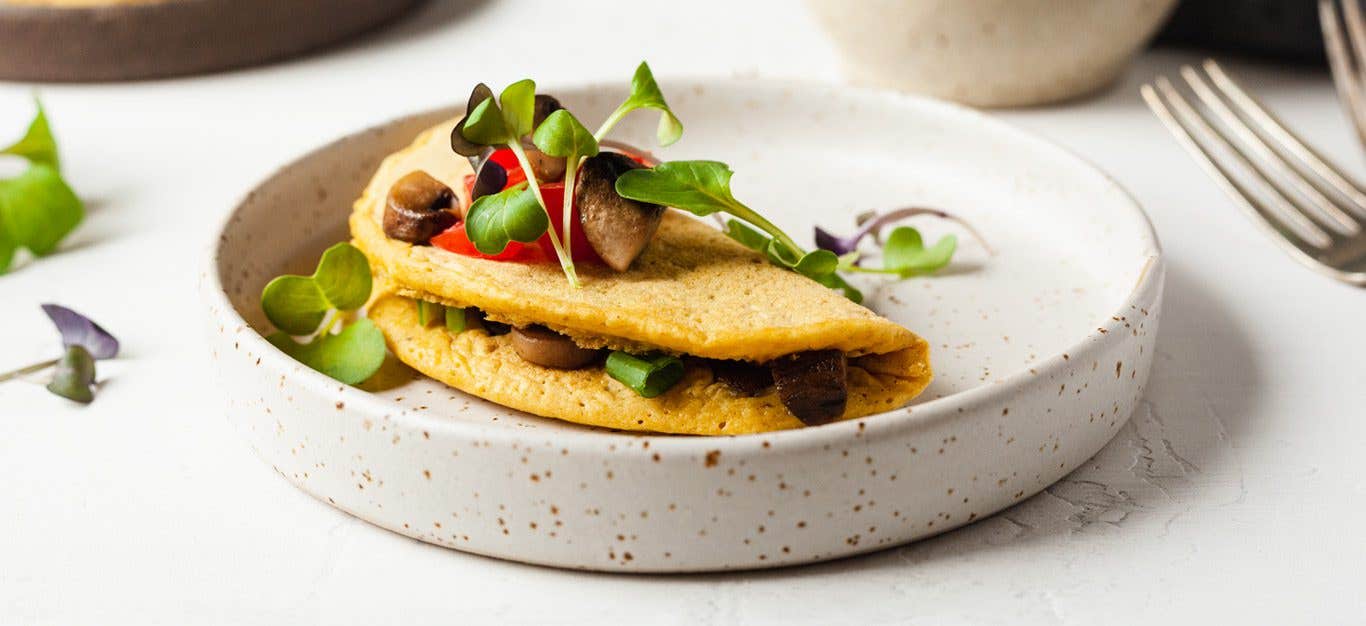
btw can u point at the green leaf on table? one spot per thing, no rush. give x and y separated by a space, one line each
905 252
645 94
297 304
37 145
74 375
37 211
513 214
562 135
350 356
518 102
7 249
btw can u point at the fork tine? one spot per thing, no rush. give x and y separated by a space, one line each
1304 230
1308 157
1345 76
1356 28
1323 209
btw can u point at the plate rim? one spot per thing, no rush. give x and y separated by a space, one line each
796 440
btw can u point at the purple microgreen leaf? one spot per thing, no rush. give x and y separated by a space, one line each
826 240
459 143
79 330
74 375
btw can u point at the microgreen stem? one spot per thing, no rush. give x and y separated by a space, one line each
750 215
567 213
26 370
610 122
565 262
329 323
867 270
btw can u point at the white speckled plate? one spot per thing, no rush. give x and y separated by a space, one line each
1041 352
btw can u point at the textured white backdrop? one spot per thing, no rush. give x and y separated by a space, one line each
1234 496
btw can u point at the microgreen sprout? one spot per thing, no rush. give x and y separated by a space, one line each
645 94
506 120
503 123
903 251
872 223
84 342
562 135
509 215
703 188
37 208
316 307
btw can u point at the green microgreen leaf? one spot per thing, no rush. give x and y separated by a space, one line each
37 145
294 304
699 187
747 236
513 214
905 252
518 101
648 375
485 125
343 277
817 263
297 304
7 250
350 356
703 188
74 375
562 135
459 143
38 210
645 94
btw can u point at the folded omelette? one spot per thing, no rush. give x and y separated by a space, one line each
692 293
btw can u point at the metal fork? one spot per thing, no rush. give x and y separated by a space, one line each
1344 36
1312 209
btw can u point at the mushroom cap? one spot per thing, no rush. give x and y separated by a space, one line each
618 228
416 208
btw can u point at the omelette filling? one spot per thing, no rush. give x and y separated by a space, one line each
605 229
812 385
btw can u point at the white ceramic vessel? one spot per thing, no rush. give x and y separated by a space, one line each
990 52
1041 350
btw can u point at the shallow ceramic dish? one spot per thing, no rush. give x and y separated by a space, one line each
1041 351
90 40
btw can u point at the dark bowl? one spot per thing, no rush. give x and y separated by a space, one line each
174 37
1286 30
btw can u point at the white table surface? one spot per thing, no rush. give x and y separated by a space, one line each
1231 497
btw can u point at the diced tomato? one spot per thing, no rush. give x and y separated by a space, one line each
582 250
455 240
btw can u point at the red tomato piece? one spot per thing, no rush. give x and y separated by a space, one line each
455 240
579 246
